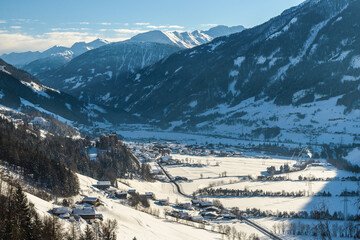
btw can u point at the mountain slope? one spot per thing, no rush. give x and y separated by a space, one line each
307 55
19 90
96 73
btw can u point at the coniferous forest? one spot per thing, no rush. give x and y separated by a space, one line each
51 162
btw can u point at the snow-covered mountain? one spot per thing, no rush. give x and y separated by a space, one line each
94 74
22 92
186 39
295 76
37 62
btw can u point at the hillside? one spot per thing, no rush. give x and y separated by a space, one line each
93 75
21 91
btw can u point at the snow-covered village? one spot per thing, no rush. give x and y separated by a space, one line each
164 120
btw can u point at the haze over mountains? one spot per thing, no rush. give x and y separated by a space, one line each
294 77
24 58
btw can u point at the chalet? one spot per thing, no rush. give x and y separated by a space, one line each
198 219
212 209
61 211
210 215
111 191
163 202
160 178
179 214
121 194
103 185
204 204
91 200
195 202
149 194
130 191
227 216
184 206
85 212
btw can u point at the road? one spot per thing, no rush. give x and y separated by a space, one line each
247 221
178 187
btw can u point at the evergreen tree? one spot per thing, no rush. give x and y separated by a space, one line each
88 234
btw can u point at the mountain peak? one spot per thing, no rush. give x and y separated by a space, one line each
185 39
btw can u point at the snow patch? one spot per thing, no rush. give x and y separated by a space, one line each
109 73
70 80
238 61
178 69
233 73
285 29
137 77
355 62
106 97
128 97
261 60
36 88
347 78
354 156
215 45
341 56
299 95
231 87
68 106
2 68
193 103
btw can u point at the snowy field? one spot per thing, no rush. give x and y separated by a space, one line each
234 167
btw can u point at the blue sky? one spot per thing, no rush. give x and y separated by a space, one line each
40 24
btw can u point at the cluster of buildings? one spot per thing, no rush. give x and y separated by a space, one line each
205 211
85 209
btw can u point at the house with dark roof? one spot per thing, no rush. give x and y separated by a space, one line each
91 200
103 184
85 212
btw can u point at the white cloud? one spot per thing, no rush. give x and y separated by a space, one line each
142 23
69 29
176 27
126 24
165 26
16 42
105 23
2 21
84 23
156 27
209 25
15 27
128 31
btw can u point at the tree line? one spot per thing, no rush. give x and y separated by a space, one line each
224 192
